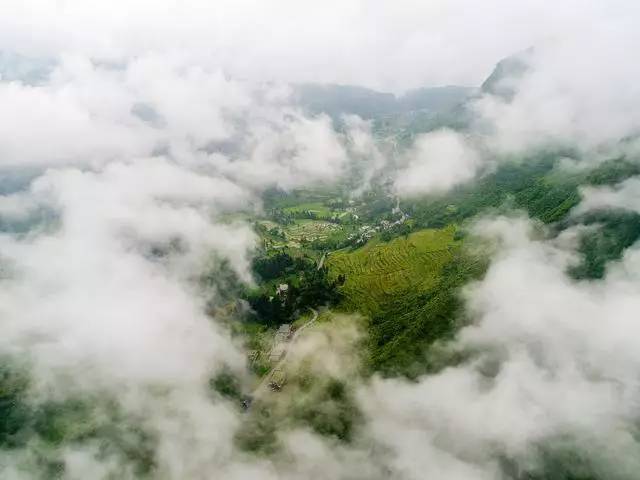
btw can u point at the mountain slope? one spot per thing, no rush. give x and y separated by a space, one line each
337 100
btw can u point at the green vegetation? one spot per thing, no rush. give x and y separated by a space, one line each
405 328
14 413
401 265
290 286
316 396
227 385
408 287
613 232
531 184
302 232
403 268
327 406
535 185
313 209
50 427
376 273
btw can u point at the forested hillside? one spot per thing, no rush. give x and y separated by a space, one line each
403 266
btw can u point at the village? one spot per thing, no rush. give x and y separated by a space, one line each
275 379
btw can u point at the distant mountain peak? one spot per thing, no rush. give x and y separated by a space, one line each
507 72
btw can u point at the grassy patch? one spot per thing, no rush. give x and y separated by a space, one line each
317 208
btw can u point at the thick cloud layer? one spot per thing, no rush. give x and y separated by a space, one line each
404 45
139 126
117 179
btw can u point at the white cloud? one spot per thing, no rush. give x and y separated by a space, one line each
575 92
366 158
288 150
404 45
625 195
436 162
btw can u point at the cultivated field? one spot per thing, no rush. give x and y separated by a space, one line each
379 270
309 230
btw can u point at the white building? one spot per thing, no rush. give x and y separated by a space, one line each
282 289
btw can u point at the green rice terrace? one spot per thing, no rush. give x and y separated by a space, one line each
377 272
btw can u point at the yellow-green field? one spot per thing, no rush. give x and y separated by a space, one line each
379 270
318 208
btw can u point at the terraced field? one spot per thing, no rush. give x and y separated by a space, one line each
378 271
309 230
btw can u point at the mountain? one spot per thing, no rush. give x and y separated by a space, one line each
337 100
505 75
436 99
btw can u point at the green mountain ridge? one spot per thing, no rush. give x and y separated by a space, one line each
337 100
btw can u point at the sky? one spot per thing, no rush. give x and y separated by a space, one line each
386 45
134 127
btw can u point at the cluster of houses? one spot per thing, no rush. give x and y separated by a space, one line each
280 343
385 224
277 376
368 231
364 234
